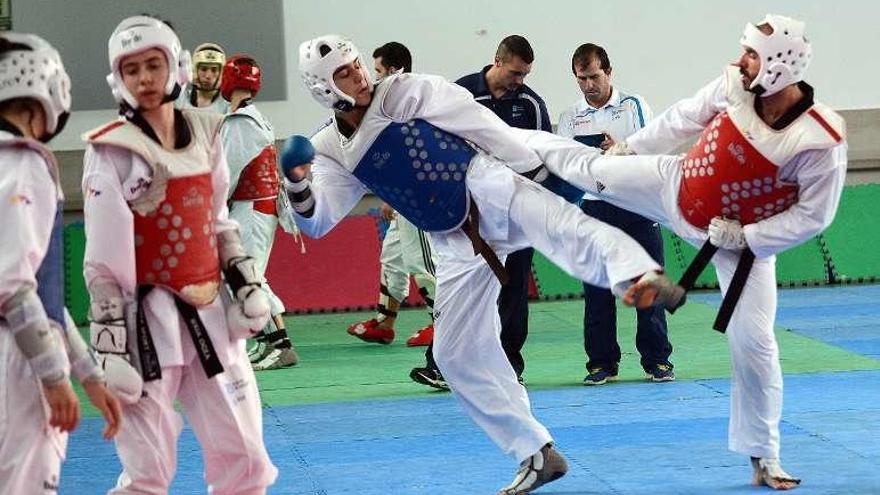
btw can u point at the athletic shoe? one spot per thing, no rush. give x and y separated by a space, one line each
370 331
259 352
542 467
422 337
429 377
279 358
600 375
660 373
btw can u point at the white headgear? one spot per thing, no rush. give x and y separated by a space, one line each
318 60
136 34
35 71
785 53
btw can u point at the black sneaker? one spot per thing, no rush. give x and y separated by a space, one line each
660 373
429 377
600 375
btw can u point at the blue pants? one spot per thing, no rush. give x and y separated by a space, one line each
600 311
513 307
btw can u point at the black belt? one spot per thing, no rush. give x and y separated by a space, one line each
150 367
471 227
737 283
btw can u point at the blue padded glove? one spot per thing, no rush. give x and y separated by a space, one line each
298 151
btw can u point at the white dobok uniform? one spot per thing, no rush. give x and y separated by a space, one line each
128 181
185 100
406 250
254 202
411 147
31 451
783 185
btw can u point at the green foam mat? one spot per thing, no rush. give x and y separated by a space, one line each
552 282
672 261
686 253
803 265
853 239
335 366
75 295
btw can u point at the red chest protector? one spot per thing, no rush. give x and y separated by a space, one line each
175 244
733 169
259 179
174 237
725 176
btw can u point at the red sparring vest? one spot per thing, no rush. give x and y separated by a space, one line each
260 182
175 241
175 244
732 170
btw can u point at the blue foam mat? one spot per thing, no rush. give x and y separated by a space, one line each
627 438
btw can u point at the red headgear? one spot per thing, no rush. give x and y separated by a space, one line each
240 72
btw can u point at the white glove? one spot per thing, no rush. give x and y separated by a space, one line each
121 378
109 339
727 234
620 149
248 312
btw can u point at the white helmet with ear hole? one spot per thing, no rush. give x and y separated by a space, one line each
785 53
136 34
31 68
318 60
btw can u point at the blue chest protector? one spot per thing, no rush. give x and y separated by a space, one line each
420 171
50 275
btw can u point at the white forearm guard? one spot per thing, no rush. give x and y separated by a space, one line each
109 337
249 311
108 332
37 339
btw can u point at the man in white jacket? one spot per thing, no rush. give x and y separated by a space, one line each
450 166
765 175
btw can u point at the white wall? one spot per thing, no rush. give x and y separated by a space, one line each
663 50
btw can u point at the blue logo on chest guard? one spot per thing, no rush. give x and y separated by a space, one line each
420 171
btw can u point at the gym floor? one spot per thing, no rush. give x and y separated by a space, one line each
348 420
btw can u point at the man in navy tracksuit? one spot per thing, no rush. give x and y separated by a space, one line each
499 87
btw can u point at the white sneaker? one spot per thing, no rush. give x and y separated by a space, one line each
277 359
259 352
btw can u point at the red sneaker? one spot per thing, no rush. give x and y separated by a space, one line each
422 337
370 331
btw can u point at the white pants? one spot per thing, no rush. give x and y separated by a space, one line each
257 236
406 250
225 415
648 185
514 213
31 451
